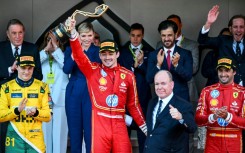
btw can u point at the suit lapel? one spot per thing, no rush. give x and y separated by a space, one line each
151 109
9 53
165 111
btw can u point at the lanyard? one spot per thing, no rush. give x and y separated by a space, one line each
132 52
50 64
181 41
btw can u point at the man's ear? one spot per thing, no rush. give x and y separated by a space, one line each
118 54
230 29
7 33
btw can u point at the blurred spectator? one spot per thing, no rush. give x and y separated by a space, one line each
96 39
210 62
52 61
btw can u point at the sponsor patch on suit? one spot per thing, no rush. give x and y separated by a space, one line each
32 95
16 95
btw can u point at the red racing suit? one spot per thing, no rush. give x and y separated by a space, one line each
223 135
111 90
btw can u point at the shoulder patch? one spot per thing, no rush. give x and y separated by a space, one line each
6 90
42 90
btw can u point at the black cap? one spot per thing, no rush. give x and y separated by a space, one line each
226 62
108 45
24 60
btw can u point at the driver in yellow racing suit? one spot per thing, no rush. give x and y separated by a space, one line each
24 102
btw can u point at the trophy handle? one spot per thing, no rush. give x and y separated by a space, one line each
99 10
62 32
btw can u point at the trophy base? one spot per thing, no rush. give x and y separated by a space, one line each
61 33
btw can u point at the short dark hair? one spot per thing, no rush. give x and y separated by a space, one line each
137 26
14 22
224 30
174 16
235 17
166 24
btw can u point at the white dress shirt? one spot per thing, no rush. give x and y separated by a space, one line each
165 102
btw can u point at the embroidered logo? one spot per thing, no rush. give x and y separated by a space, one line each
235 94
222 122
102 81
112 100
214 102
123 76
214 93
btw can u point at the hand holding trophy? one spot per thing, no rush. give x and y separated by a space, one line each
62 32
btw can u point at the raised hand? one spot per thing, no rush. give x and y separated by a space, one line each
139 58
212 16
31 111
175 59
160 57
22 104
14 66
175 113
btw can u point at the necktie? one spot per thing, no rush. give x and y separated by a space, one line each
238 49
168 59
16 54
159 108
134 49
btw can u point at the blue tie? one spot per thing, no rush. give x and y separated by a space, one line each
16 54
159 108
238 49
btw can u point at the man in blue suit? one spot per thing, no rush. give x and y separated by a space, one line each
172 58
133 56
169 118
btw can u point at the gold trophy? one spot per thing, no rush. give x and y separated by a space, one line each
62 33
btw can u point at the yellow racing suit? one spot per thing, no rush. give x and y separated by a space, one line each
27 128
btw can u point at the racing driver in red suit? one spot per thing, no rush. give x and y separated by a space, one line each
111 88
221 108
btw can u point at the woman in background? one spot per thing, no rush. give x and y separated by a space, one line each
78 103
52 61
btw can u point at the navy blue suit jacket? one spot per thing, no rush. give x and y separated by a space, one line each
168 135
224 45
181 74
143 88
7 59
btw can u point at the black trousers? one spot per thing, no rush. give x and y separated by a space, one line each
3 131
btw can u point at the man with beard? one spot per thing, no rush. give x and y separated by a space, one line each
221 108
172 58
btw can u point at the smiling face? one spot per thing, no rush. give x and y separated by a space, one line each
25 72
163 84
237 29
16 34
168 37
109 59
86 39
226 76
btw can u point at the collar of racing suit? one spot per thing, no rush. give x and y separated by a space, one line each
116 78
226 86
24 83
